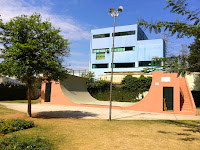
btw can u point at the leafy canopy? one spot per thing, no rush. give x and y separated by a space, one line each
31 48
190 27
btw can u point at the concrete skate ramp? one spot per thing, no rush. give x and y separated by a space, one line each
74 88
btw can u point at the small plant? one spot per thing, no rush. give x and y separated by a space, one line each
19 143
7 126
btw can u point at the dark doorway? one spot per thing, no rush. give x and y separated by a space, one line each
168 97
48 92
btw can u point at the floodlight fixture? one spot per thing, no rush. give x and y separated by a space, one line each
120 8
112 10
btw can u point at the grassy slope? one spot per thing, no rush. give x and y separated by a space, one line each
101 134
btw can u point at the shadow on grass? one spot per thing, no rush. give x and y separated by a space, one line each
188 139
184 134
194 126
63 114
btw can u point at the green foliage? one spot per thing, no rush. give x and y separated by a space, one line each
7 126
190 27
32 47
100 84
19 143
194 57
127 92
176 64
137 85
182 28
89 77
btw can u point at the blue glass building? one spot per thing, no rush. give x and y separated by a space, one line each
132 53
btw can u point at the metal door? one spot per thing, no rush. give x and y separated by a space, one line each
48 92
168 95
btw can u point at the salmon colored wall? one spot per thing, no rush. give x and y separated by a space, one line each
152 102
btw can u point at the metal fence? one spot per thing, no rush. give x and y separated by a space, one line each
77 72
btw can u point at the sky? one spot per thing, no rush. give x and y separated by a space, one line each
76 19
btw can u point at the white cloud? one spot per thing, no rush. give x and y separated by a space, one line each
70 27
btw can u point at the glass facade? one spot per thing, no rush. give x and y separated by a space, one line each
101 36
100 50
99 66
149 63
124 33
100 56
124 65
144 63
122 49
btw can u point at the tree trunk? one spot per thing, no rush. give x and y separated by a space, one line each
29 98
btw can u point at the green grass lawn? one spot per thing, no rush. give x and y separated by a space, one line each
91 134
20 101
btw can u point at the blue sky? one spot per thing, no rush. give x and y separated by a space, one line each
76 18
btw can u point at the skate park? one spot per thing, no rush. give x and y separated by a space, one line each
167 90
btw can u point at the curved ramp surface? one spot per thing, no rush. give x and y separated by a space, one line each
74 88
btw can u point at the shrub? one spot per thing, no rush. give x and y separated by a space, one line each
127 92
19 143
7 126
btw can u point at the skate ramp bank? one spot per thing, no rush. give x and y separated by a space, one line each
75 89
73 92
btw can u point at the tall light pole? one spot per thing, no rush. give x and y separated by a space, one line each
114 13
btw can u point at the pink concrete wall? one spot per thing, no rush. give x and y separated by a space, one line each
152 102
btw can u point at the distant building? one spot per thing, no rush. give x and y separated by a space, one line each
133 50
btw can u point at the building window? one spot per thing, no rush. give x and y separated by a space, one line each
99 65
101 36
100 56
130 48
124 33
144 63
149 63
123 65
122 49
100 50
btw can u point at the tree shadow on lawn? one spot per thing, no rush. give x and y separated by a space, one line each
63 114
194 127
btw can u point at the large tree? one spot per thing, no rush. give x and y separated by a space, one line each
190 27
33 49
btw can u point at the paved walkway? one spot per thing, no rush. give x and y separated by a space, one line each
60 111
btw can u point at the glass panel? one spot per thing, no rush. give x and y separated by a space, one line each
99 50
100 56
124 65
130 48
145 63
99 65
124 33
101 35
119 49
